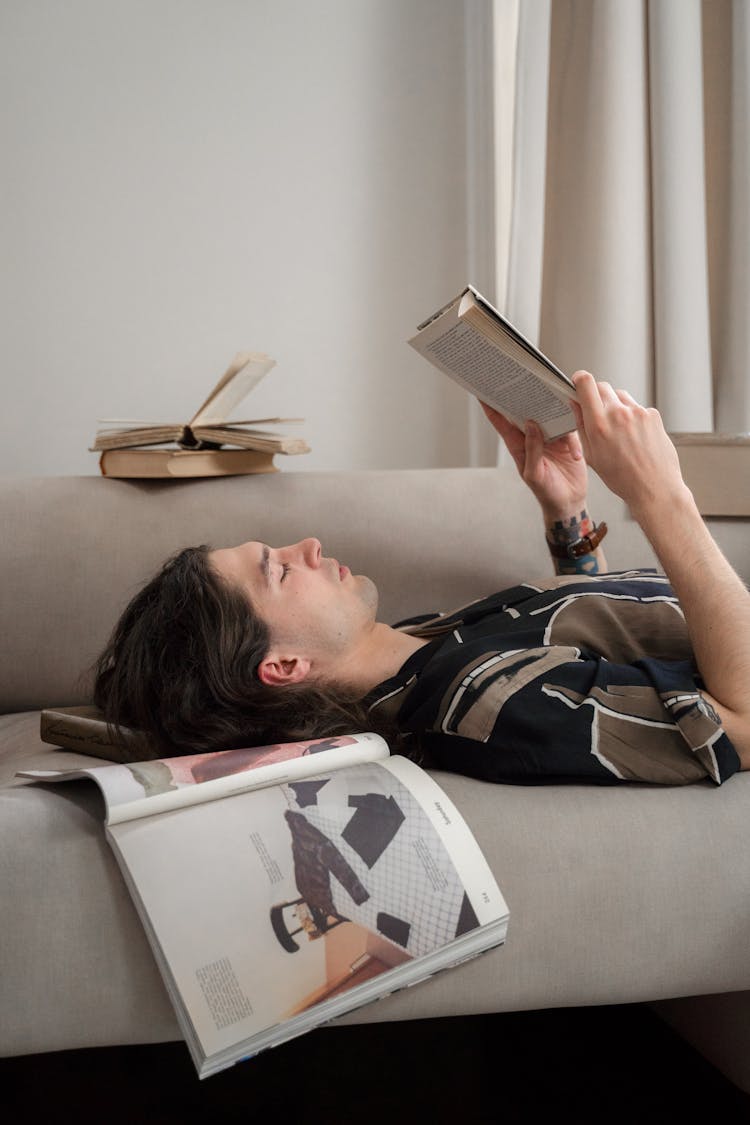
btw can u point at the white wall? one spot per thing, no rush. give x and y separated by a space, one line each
185 178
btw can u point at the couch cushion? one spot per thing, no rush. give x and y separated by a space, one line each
75 549
616 894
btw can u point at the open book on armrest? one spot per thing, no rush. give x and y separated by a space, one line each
209 427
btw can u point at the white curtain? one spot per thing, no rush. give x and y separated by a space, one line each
622 195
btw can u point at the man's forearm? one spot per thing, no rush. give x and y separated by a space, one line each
715 601
564 530
627 445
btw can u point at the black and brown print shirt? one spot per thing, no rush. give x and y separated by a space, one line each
576 679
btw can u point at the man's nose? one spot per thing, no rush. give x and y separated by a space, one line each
311 551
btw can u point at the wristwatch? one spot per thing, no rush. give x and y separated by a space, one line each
579 547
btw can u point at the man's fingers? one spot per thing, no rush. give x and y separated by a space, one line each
589 398
505 428
569 444
534 451
512 437
607 393
498 420
581 428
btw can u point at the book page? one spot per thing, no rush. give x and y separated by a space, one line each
262 440
157 434
300 897
471 867
138 789
497 370
245 372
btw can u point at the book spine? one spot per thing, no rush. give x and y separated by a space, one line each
85 738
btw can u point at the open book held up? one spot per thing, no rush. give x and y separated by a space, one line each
281 886
199 443
475 345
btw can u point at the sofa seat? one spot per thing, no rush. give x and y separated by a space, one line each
617 894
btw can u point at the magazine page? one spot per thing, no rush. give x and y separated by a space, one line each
304 901
139 789
472 870
499 370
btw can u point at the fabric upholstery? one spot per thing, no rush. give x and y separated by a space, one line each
615 895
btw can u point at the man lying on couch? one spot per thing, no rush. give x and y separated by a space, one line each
590 676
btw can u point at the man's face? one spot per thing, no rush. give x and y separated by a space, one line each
316 609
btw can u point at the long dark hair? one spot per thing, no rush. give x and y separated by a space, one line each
180 669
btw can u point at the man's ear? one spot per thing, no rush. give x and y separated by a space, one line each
279 671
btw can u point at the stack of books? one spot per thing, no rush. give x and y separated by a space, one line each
206 446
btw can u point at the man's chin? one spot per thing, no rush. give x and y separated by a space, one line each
368 592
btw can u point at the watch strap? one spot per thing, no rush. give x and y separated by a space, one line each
586 545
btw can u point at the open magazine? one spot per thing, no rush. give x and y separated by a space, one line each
283 886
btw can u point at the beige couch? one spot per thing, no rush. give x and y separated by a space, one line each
616 894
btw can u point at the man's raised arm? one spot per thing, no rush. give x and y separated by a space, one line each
626 444
556 474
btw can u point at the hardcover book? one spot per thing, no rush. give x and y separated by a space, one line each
197 445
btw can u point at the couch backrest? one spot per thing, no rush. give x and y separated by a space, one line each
75 549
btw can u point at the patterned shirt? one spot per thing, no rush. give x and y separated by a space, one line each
576 679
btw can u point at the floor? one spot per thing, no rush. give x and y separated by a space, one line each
610 1065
